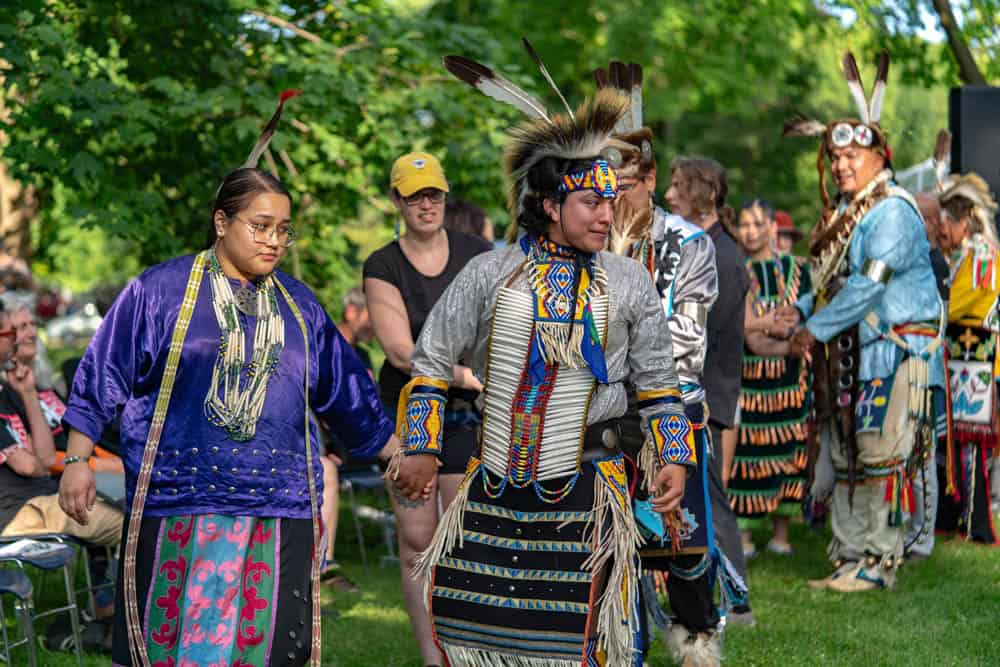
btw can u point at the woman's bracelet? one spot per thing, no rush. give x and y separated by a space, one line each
75 459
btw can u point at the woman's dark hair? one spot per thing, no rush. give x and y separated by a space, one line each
762 204
238 189
465 217
544 180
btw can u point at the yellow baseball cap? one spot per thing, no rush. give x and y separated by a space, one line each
415 171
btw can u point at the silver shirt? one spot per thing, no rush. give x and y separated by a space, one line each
688 283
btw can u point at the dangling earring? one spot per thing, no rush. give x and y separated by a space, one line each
395 235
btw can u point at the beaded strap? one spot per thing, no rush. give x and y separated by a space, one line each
317 635
136 642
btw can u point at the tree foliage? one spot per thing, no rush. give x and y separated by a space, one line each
125 116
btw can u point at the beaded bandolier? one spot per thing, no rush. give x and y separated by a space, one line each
875 312
836 363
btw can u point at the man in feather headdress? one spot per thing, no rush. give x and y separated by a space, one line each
680 257
873 329
535 562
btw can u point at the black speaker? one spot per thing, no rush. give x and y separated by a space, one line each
974 121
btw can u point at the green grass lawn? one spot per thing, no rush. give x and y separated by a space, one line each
945 611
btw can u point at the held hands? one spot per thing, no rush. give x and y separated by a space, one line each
416 476
668 488
801 344
77 492
782 322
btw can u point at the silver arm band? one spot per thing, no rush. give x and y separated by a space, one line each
877 270
695 311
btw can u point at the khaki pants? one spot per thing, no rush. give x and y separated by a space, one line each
42 514
862 527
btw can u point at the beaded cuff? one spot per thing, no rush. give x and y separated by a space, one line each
421 414
673 438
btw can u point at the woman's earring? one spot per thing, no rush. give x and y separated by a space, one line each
395 235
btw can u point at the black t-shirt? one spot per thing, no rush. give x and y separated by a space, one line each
15 489
724 330
420 293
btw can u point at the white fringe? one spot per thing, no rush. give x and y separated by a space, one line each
700 650
463 656
617 620
446 536
648 461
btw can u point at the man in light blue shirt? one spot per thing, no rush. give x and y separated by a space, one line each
874 323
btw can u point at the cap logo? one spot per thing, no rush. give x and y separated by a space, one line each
419 163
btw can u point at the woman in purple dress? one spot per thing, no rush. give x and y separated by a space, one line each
213 362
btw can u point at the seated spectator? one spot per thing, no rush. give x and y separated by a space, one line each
29 500
52 405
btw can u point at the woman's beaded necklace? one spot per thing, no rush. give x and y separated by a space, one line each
235 399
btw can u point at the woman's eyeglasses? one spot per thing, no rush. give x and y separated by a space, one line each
261 233
433 196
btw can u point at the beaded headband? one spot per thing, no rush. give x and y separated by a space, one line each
600 177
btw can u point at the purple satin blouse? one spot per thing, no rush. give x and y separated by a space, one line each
198 469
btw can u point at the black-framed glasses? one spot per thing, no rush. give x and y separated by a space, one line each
262 233
433 196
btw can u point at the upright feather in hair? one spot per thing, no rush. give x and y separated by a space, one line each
635 70
268 132
878 88
857 89
800 126
942 161
493 85
545 73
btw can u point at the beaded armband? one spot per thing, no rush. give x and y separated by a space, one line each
420 416
671 434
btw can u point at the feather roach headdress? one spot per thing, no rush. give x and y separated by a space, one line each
576 135
864 131
630 149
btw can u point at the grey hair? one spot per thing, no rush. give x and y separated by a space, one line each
355 297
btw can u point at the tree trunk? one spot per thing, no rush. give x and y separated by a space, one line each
967 68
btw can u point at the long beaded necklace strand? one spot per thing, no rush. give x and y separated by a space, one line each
243 385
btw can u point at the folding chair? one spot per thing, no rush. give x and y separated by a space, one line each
18 584
370 478
48 556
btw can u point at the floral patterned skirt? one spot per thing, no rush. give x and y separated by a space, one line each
209 589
